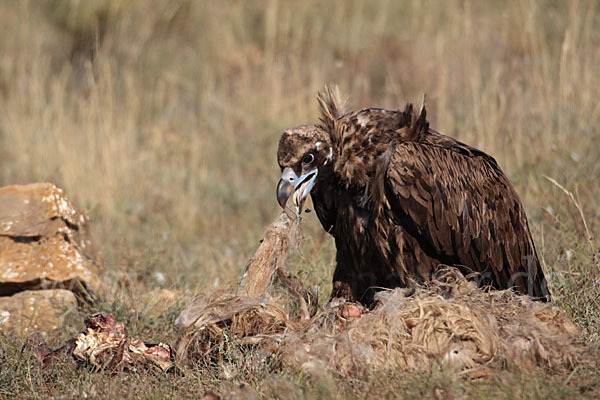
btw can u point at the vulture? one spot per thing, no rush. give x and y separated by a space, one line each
401 200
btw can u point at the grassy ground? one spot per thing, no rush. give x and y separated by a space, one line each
161 119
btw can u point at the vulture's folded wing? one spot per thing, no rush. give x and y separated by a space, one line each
462 210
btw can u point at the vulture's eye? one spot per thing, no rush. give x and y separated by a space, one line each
309 158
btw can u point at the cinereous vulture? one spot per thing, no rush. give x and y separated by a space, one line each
401 200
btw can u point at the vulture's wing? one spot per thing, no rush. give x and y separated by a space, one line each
462 210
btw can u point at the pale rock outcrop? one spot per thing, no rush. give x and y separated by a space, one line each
46 257
44 241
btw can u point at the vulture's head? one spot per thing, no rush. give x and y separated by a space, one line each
305 157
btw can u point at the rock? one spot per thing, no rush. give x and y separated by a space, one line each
36 310
44 242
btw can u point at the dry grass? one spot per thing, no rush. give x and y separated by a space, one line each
161 120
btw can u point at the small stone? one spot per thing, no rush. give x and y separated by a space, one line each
36 310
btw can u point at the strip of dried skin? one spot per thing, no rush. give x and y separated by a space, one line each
270 255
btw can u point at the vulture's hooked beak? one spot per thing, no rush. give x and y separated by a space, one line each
299 186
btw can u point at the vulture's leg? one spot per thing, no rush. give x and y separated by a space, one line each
342 282
354 284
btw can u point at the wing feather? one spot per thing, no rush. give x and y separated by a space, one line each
461 208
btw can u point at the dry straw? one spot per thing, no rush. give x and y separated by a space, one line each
448 323
250 313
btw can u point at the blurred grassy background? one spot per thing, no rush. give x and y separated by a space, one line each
161 118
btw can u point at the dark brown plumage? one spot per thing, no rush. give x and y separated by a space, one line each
401 199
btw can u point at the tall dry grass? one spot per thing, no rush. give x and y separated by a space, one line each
161 118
